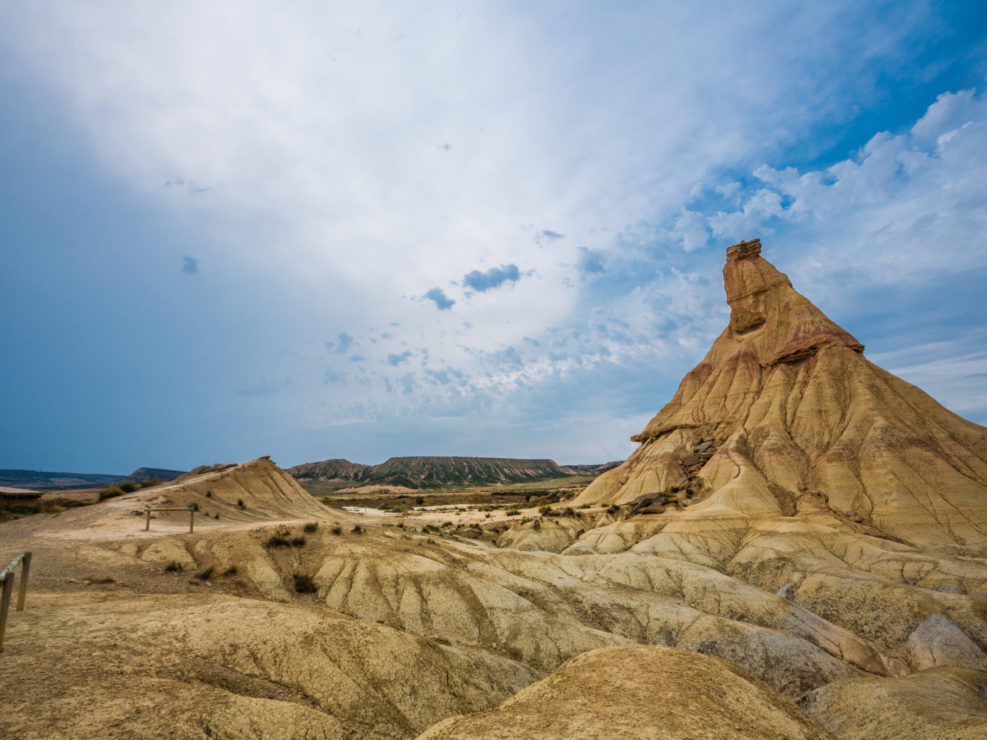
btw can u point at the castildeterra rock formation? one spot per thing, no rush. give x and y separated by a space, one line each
786 415
796 549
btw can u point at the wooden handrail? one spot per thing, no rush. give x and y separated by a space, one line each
189 509
7 579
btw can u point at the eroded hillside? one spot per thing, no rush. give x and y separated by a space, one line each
795 550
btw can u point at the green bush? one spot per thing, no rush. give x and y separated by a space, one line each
205 574
311 527
239 502
110 492
357 529
128 487
298 541
231 571
174 567
336 530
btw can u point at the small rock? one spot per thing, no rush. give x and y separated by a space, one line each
787 591
948 588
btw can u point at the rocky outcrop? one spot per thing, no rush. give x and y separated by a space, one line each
790 416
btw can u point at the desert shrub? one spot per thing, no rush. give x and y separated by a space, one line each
613 509
514 513
357 529
420 500
208 494
585 506
110 492
150 483
173 567
128 487
336 530
298 541
194 506
204 574
568 511
279 538
304 584
537 524
400 525
239 502
231 571
310 527
384 506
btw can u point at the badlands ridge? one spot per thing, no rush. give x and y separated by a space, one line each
798 548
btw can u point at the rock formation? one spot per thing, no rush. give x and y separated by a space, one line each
784 414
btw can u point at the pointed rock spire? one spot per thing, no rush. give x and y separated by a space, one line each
784 414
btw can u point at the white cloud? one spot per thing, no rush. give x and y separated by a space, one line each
349 161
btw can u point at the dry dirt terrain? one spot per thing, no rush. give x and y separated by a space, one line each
798 548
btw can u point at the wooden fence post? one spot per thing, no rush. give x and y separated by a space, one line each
147 522
191 514
8 586
25 571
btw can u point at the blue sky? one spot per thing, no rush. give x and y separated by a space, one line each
375 229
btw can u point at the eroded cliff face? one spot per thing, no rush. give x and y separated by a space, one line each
786 415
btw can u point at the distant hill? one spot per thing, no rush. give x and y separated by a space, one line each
40 480
441 472
144 474
592 469
336 469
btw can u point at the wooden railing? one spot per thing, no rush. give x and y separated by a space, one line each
189 509
7 578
